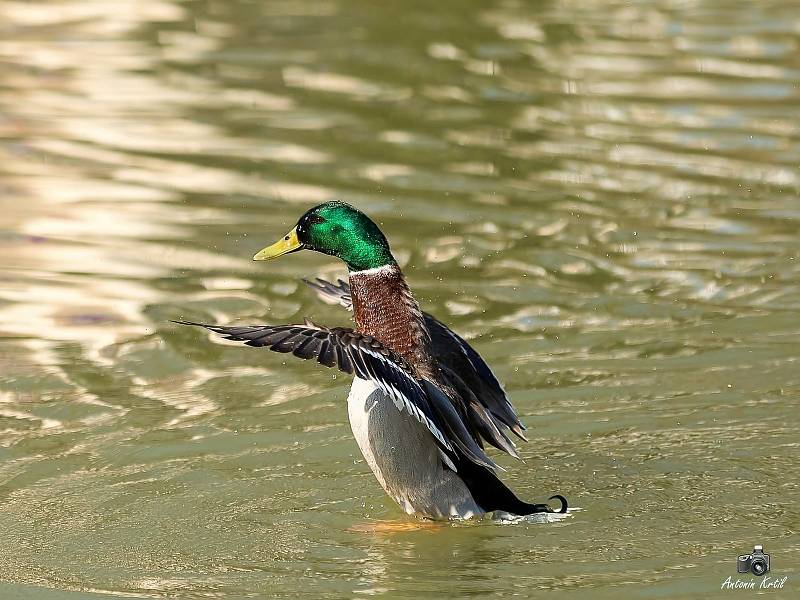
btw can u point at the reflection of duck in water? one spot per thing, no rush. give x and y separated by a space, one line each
423 401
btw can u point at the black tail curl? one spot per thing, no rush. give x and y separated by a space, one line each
560 498
491 494
546 508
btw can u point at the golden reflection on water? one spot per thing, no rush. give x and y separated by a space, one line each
602 195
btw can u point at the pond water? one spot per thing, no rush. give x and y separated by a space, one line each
603 196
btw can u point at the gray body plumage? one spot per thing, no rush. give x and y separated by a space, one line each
404 457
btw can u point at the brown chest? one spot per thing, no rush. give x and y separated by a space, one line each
384 308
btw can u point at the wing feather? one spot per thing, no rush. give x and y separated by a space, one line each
351 352
456 353
332 293
327 354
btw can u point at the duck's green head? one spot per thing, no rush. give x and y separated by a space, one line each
337 229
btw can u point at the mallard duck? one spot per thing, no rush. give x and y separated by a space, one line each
423 402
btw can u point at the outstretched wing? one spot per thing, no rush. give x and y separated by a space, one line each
332 293
452 351
366 358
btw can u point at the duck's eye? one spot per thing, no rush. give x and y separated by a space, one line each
315 220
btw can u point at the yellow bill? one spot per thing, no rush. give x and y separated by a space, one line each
288 243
